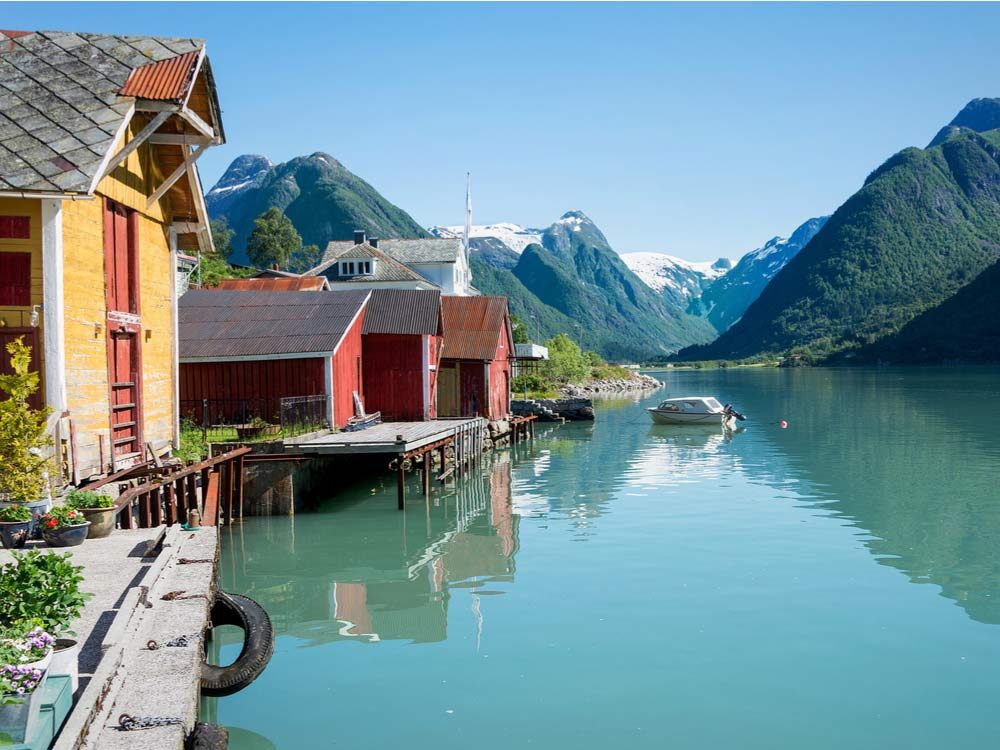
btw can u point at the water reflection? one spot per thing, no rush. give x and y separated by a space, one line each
354 571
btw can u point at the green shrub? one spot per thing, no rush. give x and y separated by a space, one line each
41 589
15 514
88 499
23 432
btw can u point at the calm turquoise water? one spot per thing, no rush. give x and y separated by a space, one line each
832 585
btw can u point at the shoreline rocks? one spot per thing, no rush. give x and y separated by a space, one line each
638 382
554 409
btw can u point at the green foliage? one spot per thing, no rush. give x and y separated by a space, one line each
88 499
214 269
193 447
925 224
222 237
520 330
566 362
306 257
15 514
23 435
43 589
532 385
273 240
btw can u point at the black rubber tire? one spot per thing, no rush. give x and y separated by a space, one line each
258 645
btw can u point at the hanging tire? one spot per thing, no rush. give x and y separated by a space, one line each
258 645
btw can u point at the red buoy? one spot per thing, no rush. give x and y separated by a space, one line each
783 424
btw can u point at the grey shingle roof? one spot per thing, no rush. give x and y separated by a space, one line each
222 324
407 312
431 250
59 106
386 268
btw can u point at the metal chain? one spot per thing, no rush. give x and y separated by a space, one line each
127 723
179 642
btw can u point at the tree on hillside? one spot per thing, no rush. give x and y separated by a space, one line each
306 257
273 240
567 362
520 330
222 237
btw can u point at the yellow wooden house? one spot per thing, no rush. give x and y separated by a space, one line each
99 193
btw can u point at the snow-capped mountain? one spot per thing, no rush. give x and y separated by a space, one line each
245 173
514 236
676 279
725 301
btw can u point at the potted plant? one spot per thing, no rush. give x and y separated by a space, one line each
15 526
24 438
55 601
97 508
256 427
64 527
20 700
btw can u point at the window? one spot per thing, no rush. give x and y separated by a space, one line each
15 279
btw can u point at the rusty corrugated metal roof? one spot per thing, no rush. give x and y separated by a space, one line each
228 324
165 80
407 312
265 284
472 326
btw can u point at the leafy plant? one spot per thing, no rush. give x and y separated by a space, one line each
20 647
88 499
273 240
17 682
193 445
42 589
23 434
15 514
62 517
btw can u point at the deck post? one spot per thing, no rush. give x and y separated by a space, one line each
239 487
400 483
427 473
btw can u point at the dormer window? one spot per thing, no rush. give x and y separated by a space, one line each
357 267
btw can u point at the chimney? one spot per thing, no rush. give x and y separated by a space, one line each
274 267
373 241
359 236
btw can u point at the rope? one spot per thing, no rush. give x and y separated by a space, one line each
127 723
179 642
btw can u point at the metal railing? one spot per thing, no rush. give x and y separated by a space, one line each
251 420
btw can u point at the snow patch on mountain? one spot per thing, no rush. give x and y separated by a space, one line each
685 278
514 236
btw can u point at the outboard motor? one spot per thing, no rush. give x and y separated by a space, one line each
729 411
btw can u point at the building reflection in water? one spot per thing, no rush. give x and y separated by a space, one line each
359 570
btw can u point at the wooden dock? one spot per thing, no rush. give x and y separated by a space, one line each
403 441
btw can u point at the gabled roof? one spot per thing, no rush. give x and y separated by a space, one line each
265 284
386 268
472 326
424 250
244 325
404 312
65 99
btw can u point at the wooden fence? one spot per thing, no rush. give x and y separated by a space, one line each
213 486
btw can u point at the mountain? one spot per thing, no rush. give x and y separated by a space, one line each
977 116
572 281
498 245
965 327
725 300
324 200
924 224
678 281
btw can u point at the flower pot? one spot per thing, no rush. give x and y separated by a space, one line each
102 521
69 536
248 432
42 664
14 534
38 509
66 660
18 720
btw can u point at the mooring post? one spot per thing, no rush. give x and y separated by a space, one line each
427 473
400 484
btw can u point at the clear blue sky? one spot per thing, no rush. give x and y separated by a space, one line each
700 130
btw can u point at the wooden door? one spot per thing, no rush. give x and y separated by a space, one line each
447 388
126 435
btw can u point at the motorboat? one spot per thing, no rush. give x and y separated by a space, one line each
694 410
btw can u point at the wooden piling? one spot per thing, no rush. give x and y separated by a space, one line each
400 483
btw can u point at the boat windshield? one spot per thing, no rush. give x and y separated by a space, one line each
712 403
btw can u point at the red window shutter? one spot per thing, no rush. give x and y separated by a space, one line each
15 227
15 279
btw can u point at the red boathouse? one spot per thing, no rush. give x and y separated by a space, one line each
401 347
474 377
257 347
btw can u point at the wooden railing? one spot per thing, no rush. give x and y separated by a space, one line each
213 486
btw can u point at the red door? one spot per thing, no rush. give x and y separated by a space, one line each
124 324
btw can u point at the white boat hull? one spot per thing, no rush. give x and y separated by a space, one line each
664 417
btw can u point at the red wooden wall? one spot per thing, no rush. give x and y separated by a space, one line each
500 378
393 376
348 374
267 381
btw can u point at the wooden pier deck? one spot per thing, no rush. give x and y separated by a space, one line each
389 437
